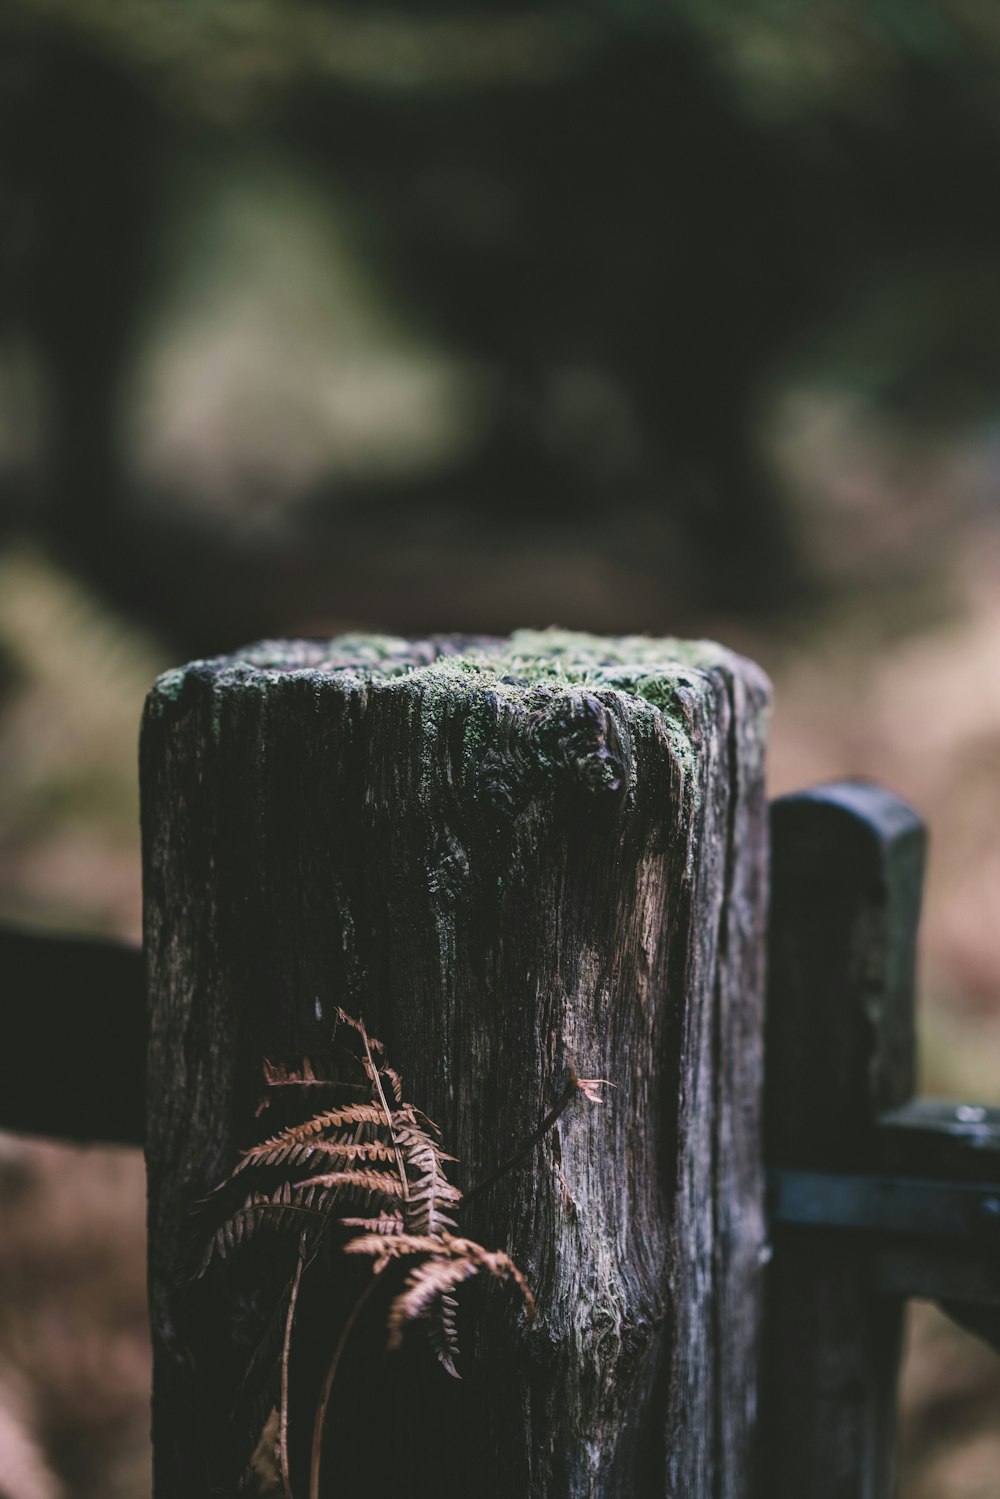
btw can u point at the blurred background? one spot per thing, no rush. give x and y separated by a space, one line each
628 317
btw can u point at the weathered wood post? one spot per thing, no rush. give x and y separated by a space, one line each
516 858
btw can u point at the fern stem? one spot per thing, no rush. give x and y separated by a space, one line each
286 1349
373 1073
324 1398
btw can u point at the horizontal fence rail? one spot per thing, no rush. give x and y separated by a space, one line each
74 1036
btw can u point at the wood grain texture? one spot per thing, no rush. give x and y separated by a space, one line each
514 858
847 864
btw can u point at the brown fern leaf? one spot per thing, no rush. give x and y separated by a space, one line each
445 1246
425 1121
495 1261
443 1332
280 1075
384 1224
283 1211
395 1082
356 1023
308 1073
378 1184
430 1192
502 1267
339 1151
400 1245
379 1173
295 1134
299 1076
347 1150
436 1277
314 1195
303 1074
424 1286
375 1070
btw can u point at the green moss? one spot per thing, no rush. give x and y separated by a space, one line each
515 667
657 681
168 687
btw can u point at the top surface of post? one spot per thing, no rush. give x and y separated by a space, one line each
519 665
666 682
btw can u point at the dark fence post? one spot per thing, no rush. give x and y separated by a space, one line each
516 858
847 866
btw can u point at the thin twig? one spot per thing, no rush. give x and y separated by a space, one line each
584 1085
286 1349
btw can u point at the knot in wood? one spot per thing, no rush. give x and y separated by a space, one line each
578 739
503 780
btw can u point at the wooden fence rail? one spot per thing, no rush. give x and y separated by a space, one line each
74 1036
524 862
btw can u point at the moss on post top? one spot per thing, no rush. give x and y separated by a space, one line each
581 702
517 667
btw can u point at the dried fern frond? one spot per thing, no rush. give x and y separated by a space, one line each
284 1210
425 1285
302 1075
382 1070
400 1245
341 1150
429 1282
383 1249
306 1074
422 1119
431 1194
319 1124
372 1183
395 1082
378 1175
442 1329
446 1246
383 1224
355 1023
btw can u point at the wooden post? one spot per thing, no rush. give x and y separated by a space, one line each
515 858
847 866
